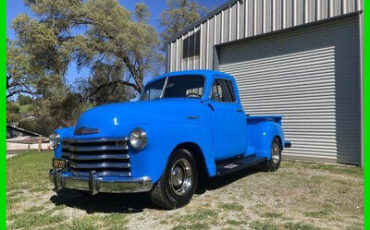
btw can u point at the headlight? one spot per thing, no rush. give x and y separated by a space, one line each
138 138
54 140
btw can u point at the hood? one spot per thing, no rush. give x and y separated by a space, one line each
123 117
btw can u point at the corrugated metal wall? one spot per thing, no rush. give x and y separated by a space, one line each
248 18
310 75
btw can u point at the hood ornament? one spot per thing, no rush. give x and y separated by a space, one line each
86 130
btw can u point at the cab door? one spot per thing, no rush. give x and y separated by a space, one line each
228 119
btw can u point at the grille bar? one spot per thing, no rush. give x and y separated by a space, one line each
95 157
93 148
100 173
95 140
98 165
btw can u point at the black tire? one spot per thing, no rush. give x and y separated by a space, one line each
171 194
274 163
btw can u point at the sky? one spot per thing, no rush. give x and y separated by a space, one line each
15 7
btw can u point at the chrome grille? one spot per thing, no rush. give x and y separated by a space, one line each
106 156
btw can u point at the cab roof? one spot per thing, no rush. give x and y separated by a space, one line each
206 73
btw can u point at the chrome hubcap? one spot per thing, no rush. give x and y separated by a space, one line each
275 153
181 178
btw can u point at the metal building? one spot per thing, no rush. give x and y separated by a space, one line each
299 58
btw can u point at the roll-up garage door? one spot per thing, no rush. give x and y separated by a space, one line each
311 76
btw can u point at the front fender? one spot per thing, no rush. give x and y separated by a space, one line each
63 133
162 140
262 135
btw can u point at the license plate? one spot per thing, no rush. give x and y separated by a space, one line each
59 163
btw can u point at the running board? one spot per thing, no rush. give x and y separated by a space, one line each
230 166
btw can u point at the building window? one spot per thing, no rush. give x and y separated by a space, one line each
191 46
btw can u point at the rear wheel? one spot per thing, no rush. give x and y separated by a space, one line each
274 163
178 182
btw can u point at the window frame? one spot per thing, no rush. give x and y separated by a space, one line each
186 51
166 79
185 75
233 90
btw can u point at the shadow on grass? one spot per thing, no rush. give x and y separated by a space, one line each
103 202
221 181
135 202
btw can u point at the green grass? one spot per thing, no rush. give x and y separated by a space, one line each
299 196
263 225
323 212
195 226
271 215
333 168
199 215
32 220
236 222
300 226
117 221
35 209
232 206
201 218
27 174
28 171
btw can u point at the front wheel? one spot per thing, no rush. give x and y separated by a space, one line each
178 182
274 163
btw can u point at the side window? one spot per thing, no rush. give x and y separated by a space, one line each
223 91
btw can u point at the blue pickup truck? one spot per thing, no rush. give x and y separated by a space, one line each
185 125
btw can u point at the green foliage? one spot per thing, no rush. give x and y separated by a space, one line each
101 35
142 12
12 113
179 15
119 48
24 100
92 33
21 77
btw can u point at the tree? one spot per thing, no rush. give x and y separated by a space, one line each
20 76
105 85
179 15
142 13
24 100
92 33
62 111
13 115
118 47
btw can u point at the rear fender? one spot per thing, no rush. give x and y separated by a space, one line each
262 134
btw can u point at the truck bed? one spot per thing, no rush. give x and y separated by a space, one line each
258 118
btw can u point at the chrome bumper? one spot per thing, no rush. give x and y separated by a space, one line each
95 184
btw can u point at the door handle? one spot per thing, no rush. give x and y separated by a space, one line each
239 110
211 107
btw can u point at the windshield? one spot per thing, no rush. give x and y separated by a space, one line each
190 86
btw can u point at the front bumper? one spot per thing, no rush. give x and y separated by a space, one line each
95 184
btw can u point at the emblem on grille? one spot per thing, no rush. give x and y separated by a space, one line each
86 130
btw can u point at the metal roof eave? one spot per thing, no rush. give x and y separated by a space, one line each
214 12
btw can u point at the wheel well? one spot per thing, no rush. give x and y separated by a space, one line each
197 152
280 142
